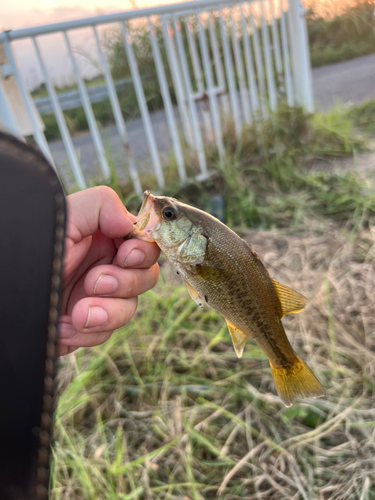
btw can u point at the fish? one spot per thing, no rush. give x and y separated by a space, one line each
222 270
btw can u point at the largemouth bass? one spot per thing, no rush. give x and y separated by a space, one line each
222 270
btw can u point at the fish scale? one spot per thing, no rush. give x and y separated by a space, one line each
223 270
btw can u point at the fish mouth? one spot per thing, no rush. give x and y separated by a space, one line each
147 221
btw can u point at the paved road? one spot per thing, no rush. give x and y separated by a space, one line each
350 81
115 151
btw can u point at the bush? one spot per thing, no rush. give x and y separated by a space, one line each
349 34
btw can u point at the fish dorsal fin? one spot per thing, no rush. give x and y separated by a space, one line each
290 300
238 339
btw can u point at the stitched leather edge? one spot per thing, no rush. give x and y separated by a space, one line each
35 159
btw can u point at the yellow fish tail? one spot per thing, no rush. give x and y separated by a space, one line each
296 381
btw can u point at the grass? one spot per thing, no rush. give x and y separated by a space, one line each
345 35
164 409
266 180
363 116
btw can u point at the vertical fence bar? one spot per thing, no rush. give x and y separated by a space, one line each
249 64
293 51
167 103
218 65
258 60
37 134
276 39
229 71
287 72
65 135
240 72
176 78
143 108
216 52
194 57
210 88
98 144
198 77
302 70
119 120
192 107
267 54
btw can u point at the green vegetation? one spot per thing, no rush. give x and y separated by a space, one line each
266 179
347 35
165 410
363 116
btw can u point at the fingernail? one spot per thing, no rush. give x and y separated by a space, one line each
105 284
96 317
135 258
66 330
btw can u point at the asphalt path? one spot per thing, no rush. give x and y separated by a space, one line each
347 82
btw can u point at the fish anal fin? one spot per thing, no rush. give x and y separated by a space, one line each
296 382
194 295
290 300
238 339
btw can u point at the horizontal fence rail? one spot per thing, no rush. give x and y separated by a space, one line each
175 77
71 99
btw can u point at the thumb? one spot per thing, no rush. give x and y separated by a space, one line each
96 209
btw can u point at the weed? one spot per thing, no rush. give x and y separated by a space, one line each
165 410
346 35
363 116
265 182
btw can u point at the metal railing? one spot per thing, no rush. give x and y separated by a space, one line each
215 60
71 99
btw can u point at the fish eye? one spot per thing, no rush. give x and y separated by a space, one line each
169 213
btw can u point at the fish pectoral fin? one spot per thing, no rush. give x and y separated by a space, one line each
194 295
290 300
238 339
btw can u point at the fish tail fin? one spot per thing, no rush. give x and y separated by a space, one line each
296 381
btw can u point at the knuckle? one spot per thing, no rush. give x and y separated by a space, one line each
106 191
134 283
101 338
130 308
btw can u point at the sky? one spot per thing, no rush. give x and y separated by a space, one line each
17 14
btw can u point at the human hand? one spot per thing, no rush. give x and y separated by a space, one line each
103 274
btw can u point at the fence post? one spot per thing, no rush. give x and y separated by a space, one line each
300 55
31 111
7 118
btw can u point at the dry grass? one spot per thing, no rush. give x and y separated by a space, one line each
164 410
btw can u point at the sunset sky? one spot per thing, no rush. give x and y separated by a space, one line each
17 14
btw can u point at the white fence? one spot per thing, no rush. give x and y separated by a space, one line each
227 60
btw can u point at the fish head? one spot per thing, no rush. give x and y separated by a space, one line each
173 226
